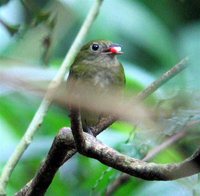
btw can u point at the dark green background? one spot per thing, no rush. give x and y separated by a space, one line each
155 35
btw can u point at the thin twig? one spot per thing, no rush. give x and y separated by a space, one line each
152 153
44 106
163 79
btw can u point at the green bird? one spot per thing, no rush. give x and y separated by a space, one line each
98 70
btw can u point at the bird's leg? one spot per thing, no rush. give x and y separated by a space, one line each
77 130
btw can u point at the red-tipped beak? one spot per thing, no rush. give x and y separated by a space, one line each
113 49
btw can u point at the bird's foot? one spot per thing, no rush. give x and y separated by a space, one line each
90 130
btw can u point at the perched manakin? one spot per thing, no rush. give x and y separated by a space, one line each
95 71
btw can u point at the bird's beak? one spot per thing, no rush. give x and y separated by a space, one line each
113 49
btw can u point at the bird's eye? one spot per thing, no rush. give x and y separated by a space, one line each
95 47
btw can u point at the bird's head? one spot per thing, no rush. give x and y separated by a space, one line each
102 47
99 51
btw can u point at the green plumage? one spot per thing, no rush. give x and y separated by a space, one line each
100 71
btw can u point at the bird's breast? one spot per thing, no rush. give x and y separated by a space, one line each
102 80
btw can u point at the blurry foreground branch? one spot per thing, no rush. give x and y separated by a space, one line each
63 148
149 90
43 108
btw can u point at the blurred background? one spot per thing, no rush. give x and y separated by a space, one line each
155 35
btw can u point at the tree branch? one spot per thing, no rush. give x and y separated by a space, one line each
138 168
60 149
110 157
43 108
124 178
